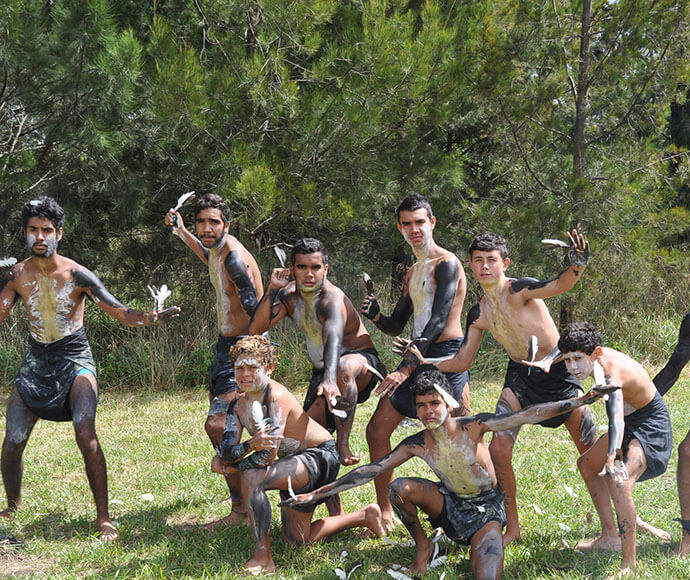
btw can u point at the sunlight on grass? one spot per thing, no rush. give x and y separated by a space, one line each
155 444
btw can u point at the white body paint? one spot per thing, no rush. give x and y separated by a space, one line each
307 321
456 465
51 310
422 284
215 271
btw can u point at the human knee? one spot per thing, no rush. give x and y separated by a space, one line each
86 437
398 490
214 426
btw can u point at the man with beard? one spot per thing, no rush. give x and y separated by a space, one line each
236 280
57 377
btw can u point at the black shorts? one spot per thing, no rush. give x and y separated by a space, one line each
403 400
322 464
651 426
372 356
221 375
532 386
462 517
47 372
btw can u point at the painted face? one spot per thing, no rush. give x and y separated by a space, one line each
41 237
416 227
210 227
579 364
488 267
309 272
431 410
251 375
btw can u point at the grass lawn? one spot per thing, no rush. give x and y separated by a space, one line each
162 491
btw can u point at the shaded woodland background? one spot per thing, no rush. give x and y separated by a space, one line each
315 117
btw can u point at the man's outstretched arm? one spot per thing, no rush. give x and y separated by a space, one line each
362 474
538 413
98 293
579 258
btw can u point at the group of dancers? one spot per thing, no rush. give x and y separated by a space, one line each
290 446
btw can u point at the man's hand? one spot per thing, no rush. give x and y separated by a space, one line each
280 277
265 440
331 393
615 469
163 316
402 346
370 307
597 392
390 384
299 499
173 219
579 249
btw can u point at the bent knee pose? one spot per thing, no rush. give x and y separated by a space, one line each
433 296
237 283
467 502
514 312
287 450
637 446
57 376
344 360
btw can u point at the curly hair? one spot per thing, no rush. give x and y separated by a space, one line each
257 346
43 207
579 336
427 378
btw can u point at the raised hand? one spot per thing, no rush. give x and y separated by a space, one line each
370 307
402 346
579 249
280 277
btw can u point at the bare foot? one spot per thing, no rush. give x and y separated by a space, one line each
511 536
422 557
643 526
257 566
612 544
346 456
108 531
7 514
233 519
387 523
683 547
372 516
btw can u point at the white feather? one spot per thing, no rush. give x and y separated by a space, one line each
555 243
7 262
183 199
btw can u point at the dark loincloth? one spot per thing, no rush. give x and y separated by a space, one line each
461 517
651 426
47 372
535 387
221 375
322 464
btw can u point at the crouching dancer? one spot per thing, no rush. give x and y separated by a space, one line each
467 503
287 449
57 377
637 446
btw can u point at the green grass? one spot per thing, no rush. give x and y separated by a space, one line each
155 444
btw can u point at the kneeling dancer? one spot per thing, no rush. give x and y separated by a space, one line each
287 449
467 503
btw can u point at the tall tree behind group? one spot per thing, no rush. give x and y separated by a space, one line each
317 116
